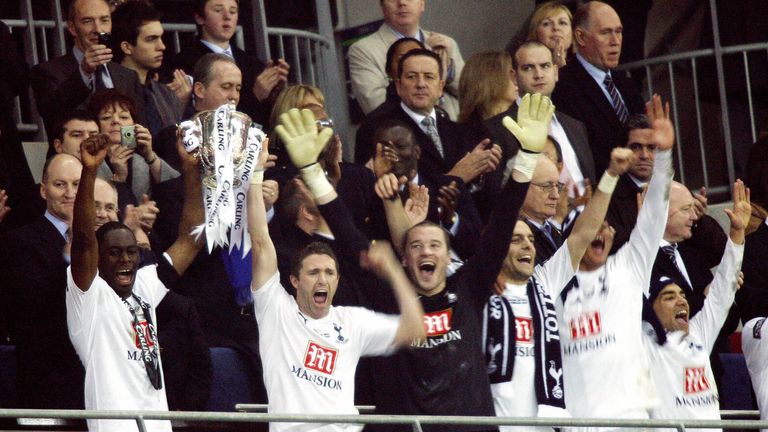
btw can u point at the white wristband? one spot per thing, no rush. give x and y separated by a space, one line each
525 163
314 178
257 177
607 183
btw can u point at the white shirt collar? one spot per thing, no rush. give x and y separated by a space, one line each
594 71
60 225
217 49
639 183
418 117
418 36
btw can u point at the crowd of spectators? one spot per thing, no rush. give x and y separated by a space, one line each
543 262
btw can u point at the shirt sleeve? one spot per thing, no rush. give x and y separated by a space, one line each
377 332
82 308
707 322
555 273
639 253
269 300
149 286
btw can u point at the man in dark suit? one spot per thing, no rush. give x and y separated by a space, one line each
534 72
686 238
67 82
217 23
588 90
540 205
420 85
137 38
33 262
622 212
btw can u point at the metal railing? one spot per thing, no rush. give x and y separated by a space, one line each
416 422
663 67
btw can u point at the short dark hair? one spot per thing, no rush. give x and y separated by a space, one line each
558 149
291 200
386 124
108 227
111 97
393 48
314 248
126 21
419 52
527 45
635 121
60 129
203 72
426 224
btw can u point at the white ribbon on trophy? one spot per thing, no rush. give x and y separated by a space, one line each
229 144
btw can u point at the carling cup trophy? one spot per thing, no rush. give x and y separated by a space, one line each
228 145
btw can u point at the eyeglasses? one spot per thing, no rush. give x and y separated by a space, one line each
109 208
550 186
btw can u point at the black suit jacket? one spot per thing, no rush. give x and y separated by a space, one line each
579 96
249 65
59 89
544 248
752 298
431 164
187 366
34 281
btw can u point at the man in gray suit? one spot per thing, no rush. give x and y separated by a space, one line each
367 57
67 82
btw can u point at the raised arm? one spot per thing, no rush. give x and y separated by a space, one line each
591 219
85 247
401 218
380 260
263 254
644 240
530 129
184 250
723 288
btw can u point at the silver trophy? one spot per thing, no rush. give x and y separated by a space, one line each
228 144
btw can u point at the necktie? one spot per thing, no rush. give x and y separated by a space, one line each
547 229
429 125
618 104
98 78
669 251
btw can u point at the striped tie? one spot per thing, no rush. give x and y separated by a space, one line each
618 104
429 125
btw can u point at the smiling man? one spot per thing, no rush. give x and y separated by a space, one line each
589 90
137 37
111 301
522 342
679 352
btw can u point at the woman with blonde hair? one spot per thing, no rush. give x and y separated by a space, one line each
550 24
487 91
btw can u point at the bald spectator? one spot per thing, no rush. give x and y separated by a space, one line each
588 89
33 262
367 57
67 82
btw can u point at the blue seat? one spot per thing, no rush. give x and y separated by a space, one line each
231 380
736 391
